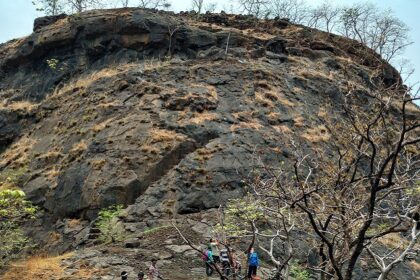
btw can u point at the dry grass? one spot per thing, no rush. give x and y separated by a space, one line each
18 106
246 125
199 118
283 100
18 154
52 174
299 121
243 115
78 148
393 240
87 80
48 268
317 134
322 113
97 164
37 267
415 265
282 129
101 126
262 99
107 105
163 135
150 150
73 223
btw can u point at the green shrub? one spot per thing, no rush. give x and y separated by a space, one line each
13 177
111 228
14 211
298 272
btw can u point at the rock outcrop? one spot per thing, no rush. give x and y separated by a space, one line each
163 113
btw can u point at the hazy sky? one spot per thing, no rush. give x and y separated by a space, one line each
16 20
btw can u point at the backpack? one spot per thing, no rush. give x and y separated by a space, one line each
205 256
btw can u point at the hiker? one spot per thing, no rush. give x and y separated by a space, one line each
215 250
140 275
224 258
253 263
208 258
124 275
153 271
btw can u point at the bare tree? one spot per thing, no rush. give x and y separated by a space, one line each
377 29
154 4
258 8
264 221
386 262
326 16
79 6
197 5
293 10
361 188
125 3
49 7
200 6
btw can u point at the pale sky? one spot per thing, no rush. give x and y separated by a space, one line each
17 16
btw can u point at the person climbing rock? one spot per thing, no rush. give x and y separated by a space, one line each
214 243
153 273
253 263
140 275
209 261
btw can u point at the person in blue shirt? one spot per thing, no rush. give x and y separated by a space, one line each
253 263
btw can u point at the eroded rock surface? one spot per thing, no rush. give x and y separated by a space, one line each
165 114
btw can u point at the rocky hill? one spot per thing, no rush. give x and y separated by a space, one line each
164 114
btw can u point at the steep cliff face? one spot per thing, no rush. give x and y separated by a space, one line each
164 113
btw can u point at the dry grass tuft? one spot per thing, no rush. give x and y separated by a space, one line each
101 126
18 106
163 135
18 154
246 125
199 118
322 113
48 268
299 121
282 129
317 134
97 164
37 267
150 150
78 148
262 99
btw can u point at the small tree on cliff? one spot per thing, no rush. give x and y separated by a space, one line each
49 7
154 4
79 6
14 211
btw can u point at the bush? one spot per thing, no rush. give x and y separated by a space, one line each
14 211
298 272
111 228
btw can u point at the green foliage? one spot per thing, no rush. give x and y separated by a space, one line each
55 65
298 272
239 214
12 177
14 210
111 228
